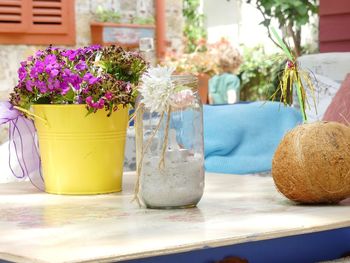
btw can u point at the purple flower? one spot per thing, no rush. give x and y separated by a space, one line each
29 85
79 99
64 88
91 49
94 47
54 72
53 84
42 86
89 78
39 66
67 72
81 66
76 81
34 73
39 53
50 59
22 73
70 54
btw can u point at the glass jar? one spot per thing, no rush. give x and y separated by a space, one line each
170 152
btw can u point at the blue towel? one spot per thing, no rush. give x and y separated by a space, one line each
242 138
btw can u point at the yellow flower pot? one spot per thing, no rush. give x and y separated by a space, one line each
81 154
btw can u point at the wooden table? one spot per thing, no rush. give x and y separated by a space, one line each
235 211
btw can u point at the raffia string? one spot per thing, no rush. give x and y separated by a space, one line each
165 142
139 134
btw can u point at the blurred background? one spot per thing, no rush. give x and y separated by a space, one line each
191 35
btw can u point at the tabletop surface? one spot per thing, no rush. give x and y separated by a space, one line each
39 227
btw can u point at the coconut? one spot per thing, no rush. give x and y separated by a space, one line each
312 163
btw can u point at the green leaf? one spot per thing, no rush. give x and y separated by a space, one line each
70 95
281 43
43 100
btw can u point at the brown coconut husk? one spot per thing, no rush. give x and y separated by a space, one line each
312 163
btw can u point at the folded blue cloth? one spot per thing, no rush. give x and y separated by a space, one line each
242 138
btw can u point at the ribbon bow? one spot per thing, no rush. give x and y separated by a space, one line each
24 158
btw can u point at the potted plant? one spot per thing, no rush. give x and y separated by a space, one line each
79 101
108 28
201 64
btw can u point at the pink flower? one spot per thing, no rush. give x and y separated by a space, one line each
89 102
109 95
96 105
182 98
101 103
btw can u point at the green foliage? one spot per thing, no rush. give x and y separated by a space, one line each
103 15
143 20
194 30
290 15
108 15
122 65
259 74
286 11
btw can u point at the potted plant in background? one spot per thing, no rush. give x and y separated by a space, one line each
109 27
201 64
80 102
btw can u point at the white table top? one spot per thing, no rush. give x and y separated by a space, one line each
39 227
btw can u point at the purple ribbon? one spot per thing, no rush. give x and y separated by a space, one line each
24 157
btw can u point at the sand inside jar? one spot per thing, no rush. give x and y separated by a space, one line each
179 184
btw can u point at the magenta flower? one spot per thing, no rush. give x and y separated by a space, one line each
109 95
101 103
91 103
89 78
95 105
70 76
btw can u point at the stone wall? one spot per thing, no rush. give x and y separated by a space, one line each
11 55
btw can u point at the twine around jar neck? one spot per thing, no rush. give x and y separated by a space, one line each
188 80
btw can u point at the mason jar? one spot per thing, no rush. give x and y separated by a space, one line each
170 152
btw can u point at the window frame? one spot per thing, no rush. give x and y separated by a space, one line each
29 33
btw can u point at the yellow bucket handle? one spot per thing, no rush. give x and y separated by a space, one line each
32 115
